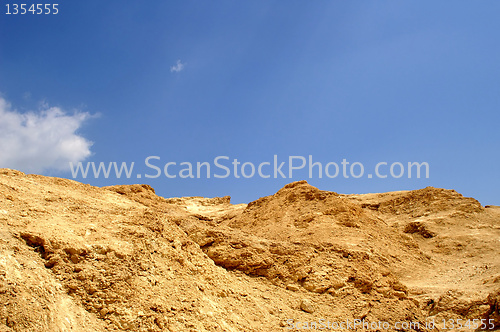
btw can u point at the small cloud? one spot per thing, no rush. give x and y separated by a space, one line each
179 66
38 141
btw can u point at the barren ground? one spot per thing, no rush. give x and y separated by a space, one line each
81 258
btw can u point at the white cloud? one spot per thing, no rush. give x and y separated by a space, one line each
48 139
179 66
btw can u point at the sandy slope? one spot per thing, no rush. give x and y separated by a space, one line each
81 258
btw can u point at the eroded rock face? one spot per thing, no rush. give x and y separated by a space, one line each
305 239
417 227
293 248
493 312
76 257
428 200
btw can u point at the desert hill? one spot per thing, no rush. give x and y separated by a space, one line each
81 258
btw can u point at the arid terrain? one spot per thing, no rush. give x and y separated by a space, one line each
79 258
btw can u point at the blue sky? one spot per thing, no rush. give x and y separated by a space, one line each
372 81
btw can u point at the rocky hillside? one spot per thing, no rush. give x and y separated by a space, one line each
81 258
